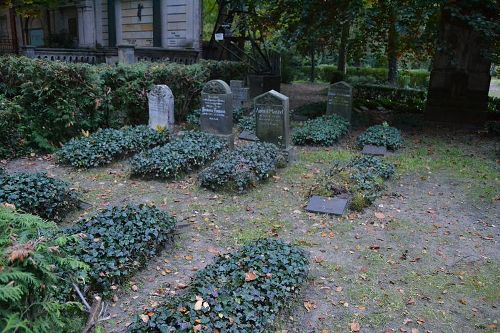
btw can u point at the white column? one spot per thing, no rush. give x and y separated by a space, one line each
86 24
164 23
118 22
98 22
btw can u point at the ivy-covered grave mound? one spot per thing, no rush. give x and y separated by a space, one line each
247 123
323 131
108 145
187 152
243 168
361 177
38 194
117 242
381 135
35 271
240 292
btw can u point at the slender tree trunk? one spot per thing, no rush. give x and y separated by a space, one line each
392 51
344 36
313 66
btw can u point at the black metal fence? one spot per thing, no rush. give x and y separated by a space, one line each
7 46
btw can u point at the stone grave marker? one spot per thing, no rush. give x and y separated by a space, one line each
240 93
161 107
272 119
335 206
340 100
248 136
217 110
374 150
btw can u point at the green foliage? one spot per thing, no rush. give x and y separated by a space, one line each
34 271
243 167
493 127
37 194
225 70
240 292
105 146
323 131
13 126
381 135
493 104
118 241
310 111
247 123
187 152
396 99
361 177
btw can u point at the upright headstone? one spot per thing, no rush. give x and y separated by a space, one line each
217 110
272 119
161 107
240 93
340 100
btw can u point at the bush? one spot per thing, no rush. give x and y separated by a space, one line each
105 146
240 292
310 111
243 167
34 271
323 131
397 99
185 153
37 194
118 241
14 140
247 123
361 177
226 70
493 104
381 135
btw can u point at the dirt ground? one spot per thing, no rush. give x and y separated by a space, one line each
424 258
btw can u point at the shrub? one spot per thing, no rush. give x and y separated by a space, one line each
397 99
493 104
381 135
34 271
185 153
15 140
247 123
361 177
118 241
324 131
243 167
37 194
226 70
105 146
240 292
310 111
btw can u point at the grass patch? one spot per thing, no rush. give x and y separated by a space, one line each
257 229
324 155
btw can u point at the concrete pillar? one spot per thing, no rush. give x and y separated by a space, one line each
98 22
86 24
29 51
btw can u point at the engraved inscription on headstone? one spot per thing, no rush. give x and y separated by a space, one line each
340 100
240 93
161 107
217 109
272 119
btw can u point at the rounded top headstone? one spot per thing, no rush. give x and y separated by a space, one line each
161 90
216 87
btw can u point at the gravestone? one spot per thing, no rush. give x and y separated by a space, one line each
217 110
272 119
240 93
161 107
374 150
248 136
335 206
340 100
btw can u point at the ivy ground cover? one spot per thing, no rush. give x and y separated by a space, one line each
323 131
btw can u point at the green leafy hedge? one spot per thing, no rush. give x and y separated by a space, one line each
187 152
12 129
34 272
240 292
381 135
107 145
389 97
37 194
324 131
309 111
247 123
117 242
243 167
361 177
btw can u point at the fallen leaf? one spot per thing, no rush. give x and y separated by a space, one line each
250 276
379 215
199 303
144 318
415 330
213 250
181 286
355 326
462 301
309 306
134 287
197 328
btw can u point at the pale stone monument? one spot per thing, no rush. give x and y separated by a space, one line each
161 107
340 100
240 93
217 110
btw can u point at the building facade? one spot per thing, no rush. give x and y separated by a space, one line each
97 31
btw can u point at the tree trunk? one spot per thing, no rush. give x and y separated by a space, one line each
313 66
392 51
344 36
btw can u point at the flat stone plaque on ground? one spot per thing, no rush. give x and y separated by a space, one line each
272 120
217 109
335 206
374 150
248 136
340 100
161 107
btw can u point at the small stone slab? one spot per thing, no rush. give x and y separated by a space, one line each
248 136
374 150
335 206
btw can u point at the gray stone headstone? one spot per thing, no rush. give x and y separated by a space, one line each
335 206
217 109
248 136
272 119
374 150
161 107
340 100
240 93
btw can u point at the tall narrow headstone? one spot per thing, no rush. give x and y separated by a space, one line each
217 110
161 107
272 119
240 93
340 100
